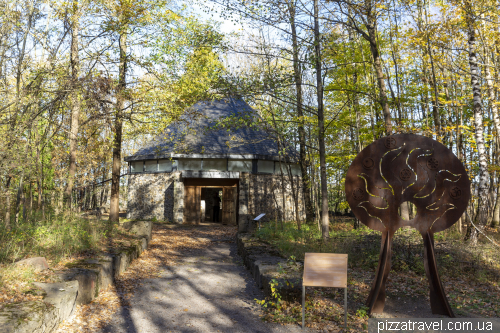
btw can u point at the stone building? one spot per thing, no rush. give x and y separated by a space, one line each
217 149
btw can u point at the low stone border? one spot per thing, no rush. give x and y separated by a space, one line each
265 265
79 285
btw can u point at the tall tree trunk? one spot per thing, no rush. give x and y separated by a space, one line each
114 209
325 221
459 148
405 211
435 105
7 202
283 194
495 221
31 199
19 197
496 120
23 202
482 205
22 51
294 197
75 102
377 65
394 53
306 181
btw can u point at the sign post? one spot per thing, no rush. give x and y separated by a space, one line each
324 270
258 219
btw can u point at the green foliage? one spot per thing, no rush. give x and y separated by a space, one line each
363 247
53 238
274 284
362 312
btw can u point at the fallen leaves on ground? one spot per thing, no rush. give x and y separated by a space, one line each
16 282
474 292
167 244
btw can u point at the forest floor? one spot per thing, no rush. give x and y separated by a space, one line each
190 279
470 277
470 289
16 282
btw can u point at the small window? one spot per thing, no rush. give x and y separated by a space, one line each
136 166
151 166
189 164
295 168
277 169
219 164
265 166
239 165
165 165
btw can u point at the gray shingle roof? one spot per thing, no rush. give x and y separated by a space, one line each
222 127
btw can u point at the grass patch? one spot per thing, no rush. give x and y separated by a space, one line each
62 239
481 263
470 275
53 238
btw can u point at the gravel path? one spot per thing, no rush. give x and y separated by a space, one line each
207 291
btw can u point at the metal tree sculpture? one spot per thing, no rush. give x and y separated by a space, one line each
401 168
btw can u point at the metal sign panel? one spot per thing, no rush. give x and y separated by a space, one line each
259 217
325 270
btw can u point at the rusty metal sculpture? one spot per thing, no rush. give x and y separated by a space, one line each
401 168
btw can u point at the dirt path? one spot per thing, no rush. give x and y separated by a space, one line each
189 280
208 291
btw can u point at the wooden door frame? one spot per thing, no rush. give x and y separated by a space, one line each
200 183
197 205
234 202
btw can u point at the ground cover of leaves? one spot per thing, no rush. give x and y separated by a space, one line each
167 244
16 283
471 294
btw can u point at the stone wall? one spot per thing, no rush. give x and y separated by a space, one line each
264 194
151 195
161 196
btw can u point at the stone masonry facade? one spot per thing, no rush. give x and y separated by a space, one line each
151 195
264 194
161 196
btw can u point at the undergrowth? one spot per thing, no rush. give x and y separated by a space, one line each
61 239
363 247
53 238
470 275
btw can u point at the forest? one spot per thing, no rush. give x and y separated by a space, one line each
85 83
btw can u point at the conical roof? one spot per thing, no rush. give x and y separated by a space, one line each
226 128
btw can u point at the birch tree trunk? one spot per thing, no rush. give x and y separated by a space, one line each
481 216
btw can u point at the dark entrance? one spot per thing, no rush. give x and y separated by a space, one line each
200 196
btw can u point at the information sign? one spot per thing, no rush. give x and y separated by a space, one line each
324 270
258 218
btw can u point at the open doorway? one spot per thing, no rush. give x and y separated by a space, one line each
212 196
210 201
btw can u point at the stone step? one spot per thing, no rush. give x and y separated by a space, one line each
80 284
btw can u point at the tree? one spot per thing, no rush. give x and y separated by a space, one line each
483 185
74 97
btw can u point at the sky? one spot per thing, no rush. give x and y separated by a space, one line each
226 26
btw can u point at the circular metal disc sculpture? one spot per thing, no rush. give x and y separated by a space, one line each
401 168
